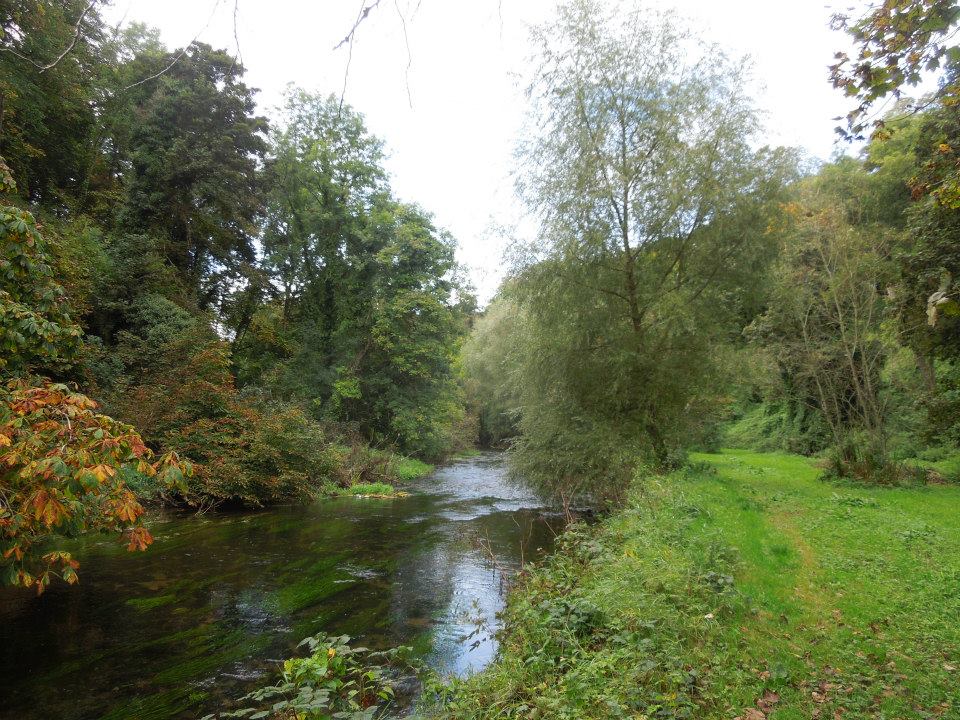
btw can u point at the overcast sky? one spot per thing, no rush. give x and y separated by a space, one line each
450 120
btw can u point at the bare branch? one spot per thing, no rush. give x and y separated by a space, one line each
364 11
406 40
66 51
236 35
179 55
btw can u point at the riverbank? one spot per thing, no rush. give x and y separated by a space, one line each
744 587
391 470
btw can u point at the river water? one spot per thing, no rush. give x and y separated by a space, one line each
218 600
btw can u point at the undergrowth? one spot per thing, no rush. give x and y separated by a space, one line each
739 587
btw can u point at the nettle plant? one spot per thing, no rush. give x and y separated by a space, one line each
333 681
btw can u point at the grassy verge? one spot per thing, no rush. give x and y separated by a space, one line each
377 489
743 588
408 469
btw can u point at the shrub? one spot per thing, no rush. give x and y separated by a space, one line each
333 681
62 470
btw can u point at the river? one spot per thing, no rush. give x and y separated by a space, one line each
218 600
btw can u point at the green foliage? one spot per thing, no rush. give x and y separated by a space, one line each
365 327
193 183
408 469
244 449
334 681
46 118
490 360
37 331
367 489
654 208
152 168
826 312
898 42
742 588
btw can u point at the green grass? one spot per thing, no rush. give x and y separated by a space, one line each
369 489
466 454
744 582
408 469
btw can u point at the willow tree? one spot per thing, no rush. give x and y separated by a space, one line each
653 204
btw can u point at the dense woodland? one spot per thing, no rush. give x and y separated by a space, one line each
254 314
202 306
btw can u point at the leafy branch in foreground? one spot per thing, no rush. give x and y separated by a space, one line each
898 41
62 464
61 474
334 681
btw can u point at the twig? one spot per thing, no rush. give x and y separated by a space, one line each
348 40
73 43
179 56
364 11
406 40
236 35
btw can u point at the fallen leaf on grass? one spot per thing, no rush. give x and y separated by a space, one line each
769 699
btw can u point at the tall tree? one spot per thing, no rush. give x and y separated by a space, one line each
50 55
195 150
363 323
653 204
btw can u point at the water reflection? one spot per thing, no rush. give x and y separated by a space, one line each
218 600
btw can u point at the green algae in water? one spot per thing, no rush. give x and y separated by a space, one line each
309 592
148 603
204 616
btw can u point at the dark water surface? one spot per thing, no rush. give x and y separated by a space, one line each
209 610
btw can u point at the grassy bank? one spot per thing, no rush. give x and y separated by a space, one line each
372 472
743 588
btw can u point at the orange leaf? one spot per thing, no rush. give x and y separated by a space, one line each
140 538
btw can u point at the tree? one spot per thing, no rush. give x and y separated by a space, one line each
325 180
491 362
825 315
47 106
362 323
653 206
62 465
195 149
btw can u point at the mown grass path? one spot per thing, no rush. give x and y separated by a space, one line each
743 587
855 592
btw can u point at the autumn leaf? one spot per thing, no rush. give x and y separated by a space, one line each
140 539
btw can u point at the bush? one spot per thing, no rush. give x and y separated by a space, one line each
333 681
863 458
62 472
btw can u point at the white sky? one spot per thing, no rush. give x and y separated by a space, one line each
451 152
